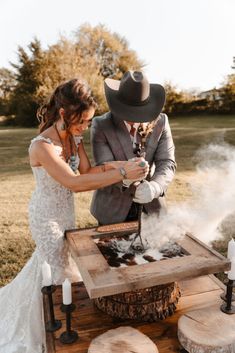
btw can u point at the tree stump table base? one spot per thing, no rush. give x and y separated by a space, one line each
207 331
149 304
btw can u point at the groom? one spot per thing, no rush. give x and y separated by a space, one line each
135 108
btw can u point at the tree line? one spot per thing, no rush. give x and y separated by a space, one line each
94 53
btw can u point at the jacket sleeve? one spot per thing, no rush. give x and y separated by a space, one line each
164 158
100 147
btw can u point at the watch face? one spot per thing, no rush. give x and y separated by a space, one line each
123 172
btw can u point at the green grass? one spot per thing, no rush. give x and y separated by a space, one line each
17 182
14 145
193 132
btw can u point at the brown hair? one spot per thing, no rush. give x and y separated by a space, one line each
73 96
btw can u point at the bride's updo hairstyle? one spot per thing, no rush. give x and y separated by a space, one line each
74 97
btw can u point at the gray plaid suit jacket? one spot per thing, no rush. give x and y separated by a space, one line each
111 141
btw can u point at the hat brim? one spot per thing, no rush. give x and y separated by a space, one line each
135 113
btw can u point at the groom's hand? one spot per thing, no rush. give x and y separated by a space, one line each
147 191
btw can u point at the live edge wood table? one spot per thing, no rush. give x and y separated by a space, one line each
100 280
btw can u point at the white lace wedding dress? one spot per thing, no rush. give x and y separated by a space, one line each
51 211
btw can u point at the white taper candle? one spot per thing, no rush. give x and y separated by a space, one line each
67 292
231 249
231 273
46 274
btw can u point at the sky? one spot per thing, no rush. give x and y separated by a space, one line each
190 43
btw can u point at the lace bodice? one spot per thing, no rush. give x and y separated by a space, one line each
50 197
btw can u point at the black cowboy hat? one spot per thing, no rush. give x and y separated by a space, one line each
134 98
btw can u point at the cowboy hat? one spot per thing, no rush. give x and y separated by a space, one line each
134 98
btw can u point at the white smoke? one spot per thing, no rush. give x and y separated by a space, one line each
213 201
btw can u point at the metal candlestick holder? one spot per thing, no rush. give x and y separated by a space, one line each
227 307
224 296
68 336
52 325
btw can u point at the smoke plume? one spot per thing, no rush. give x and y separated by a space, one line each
212 206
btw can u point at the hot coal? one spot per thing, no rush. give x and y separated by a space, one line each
148 258
129 256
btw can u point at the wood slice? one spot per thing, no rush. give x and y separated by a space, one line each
149 304
207 331
122 340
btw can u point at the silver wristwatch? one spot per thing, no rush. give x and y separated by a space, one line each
123 172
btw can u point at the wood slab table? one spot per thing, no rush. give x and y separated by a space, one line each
202 292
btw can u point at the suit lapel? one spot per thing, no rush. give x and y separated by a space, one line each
152 140
125 145
150 147
124 138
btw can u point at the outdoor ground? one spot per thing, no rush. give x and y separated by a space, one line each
16 183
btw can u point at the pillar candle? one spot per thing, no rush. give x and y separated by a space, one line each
231 273
46 274
231 249
67 292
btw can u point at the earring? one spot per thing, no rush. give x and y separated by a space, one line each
63 127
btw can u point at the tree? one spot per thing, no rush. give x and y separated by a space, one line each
93 54
228 93
104 54
61 62
24 101
109 50
174 99
7 82
7 86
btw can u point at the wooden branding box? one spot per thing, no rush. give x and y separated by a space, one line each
102 280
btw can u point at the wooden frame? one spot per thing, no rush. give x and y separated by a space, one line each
101 280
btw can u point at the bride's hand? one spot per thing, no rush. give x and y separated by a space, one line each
136 170
119 164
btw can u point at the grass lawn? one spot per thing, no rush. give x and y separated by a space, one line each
17 182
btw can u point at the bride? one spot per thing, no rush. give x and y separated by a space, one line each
55 155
